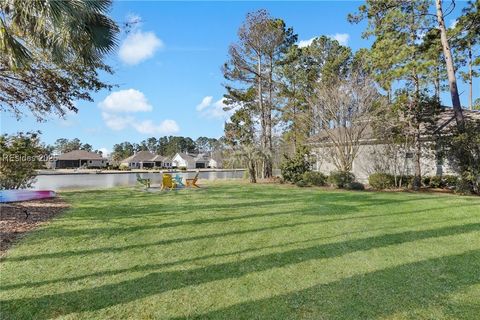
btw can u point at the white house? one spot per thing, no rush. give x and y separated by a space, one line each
146 159
215 162
199 161
202 161
183 160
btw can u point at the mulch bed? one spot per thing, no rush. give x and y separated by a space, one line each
17 218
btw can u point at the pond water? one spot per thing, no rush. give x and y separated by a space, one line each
109 180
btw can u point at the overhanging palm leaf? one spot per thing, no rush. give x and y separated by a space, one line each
63 30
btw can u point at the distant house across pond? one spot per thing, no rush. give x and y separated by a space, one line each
78 159
146 159
199 161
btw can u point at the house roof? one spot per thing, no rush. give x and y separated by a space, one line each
80 155
145 156
202 157
445 120
218 159
158 158
185 156
141 156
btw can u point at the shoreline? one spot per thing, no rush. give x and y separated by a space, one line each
47 172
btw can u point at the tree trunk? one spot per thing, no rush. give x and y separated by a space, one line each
418 156
470 76
251 171
294 117
452 80
437 83
268 168
261 106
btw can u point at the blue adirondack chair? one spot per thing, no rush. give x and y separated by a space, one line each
178 181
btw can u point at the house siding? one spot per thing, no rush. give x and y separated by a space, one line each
372 158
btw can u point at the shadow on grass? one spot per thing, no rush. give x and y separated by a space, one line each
152 267
403 289
327 205
251 197
96 298
116 231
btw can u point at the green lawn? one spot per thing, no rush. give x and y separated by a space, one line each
239 251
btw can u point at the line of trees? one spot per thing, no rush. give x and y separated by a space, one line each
167 146
282 95
164 146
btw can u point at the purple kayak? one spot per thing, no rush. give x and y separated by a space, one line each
25 195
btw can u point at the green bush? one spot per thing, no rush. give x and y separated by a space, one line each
315 178
450 181
461 147
123 167
293 168
407 180
301 183
436 182
340 179
446 181
354 186
381 181
182 168
463 187
426 181
19 159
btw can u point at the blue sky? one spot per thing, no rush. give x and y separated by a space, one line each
168 69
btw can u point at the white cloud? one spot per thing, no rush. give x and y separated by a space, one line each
148 127
115 122
129 100
342 38
207 101
453 23
213 110
305 43
139 46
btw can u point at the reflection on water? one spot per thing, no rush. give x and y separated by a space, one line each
109 180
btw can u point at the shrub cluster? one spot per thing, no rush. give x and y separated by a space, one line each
462 150
446 181
340 179
314 178
381 180
293 168
354 186
123 167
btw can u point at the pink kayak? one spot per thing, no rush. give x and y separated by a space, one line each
25 195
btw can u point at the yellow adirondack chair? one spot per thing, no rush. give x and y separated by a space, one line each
167 182
193 182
